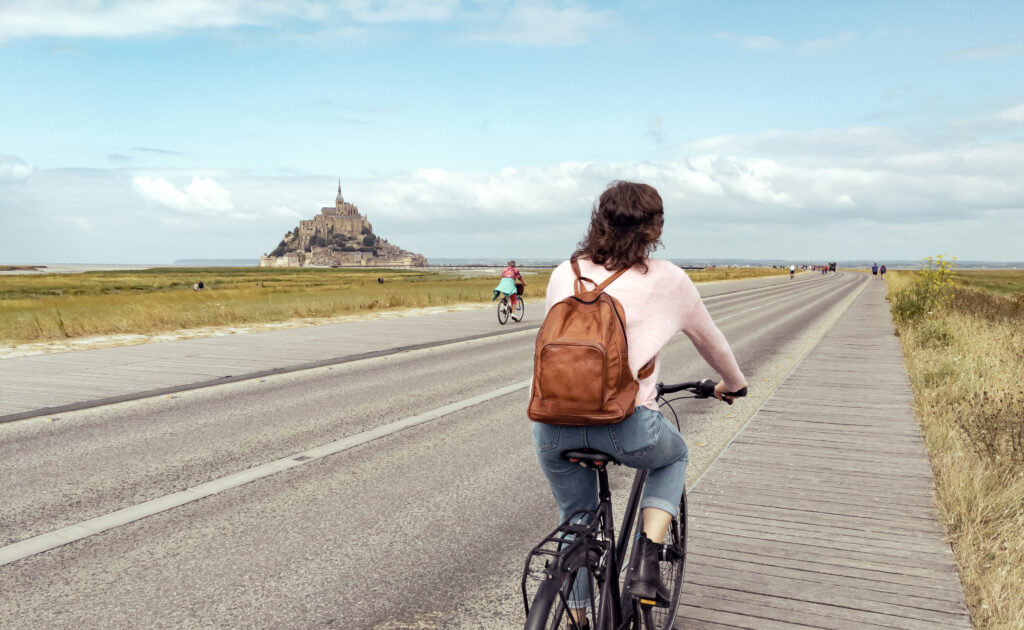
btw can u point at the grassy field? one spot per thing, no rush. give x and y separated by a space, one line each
733 273
55 306
964 349
1005 281
42 307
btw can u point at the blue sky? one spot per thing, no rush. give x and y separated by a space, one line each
144 132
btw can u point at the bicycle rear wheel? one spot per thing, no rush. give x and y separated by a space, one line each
550 610
503 311
517 315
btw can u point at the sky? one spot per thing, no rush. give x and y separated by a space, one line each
146 132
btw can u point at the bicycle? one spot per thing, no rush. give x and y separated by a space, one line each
505 310
584 552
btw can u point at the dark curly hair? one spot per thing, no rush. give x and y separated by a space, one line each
625 227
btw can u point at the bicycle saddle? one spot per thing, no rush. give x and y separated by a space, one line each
589 457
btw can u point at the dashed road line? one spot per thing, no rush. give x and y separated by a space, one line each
84 529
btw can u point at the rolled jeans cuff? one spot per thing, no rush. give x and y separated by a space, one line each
661 504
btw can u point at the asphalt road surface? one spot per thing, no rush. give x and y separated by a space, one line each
426 527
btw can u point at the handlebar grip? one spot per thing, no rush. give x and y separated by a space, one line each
737 394
678 387
706 388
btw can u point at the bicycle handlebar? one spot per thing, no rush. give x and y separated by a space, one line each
701 389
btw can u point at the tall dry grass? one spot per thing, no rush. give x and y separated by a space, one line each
965 355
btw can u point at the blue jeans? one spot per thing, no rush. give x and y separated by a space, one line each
645 439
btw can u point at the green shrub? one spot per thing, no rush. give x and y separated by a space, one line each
932 287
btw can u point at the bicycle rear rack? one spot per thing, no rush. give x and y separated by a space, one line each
547 561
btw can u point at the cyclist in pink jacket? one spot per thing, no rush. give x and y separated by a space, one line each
659 301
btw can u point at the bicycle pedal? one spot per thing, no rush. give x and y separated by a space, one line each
649 602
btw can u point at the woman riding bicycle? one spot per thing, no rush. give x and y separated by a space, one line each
510 277
659 301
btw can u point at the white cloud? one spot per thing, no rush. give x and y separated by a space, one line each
828 44
285 212
126 18
541 25
81 223
201 195
325 21
982 53
387 11
1013 114
13 169
854 190
754 42
207 194
132 18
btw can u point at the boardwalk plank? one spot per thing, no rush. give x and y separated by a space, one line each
870 579
903 594
843 493
814 530
803 608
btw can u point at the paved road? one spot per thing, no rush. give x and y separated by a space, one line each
97 377
426 527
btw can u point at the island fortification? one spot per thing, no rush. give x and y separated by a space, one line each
338 237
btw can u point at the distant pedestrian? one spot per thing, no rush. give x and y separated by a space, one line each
881 271
874 269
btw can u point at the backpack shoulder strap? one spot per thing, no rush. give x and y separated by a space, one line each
579 287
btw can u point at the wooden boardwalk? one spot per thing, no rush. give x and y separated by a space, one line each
820 513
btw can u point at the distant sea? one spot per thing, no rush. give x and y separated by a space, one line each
524 262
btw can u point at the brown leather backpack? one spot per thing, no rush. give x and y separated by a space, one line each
581 372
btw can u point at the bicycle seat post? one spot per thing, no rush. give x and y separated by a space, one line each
604 493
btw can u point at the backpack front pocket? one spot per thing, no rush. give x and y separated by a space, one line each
573 373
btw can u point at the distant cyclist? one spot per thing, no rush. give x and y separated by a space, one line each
792 271
510 277
659 301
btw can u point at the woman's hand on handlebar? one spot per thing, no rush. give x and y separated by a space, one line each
723 394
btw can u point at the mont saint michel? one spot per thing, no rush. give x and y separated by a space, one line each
338 237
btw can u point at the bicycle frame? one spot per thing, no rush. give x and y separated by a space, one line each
585 527
587 540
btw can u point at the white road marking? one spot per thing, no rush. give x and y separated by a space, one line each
84 529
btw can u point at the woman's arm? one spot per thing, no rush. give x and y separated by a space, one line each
712 346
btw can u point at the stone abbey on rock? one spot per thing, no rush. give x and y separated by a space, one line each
338 237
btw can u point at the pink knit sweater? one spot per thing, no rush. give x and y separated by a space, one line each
658 305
